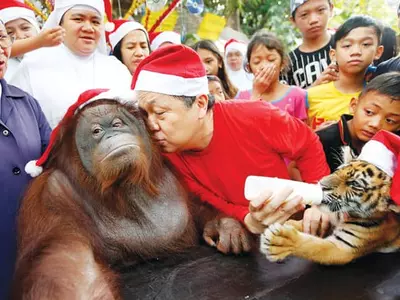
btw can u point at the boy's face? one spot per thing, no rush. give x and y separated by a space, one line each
373 112
356 51
312 17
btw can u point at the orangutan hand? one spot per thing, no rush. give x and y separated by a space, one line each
228 235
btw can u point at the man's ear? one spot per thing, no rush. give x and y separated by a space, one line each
292 20
353 104
379 52
332 54
202 103
331 9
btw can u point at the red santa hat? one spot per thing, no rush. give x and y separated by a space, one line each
383 151
34 167
176 70
235 45
159 38
122 28
11 10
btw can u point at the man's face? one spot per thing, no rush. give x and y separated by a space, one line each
356 51
5 50
173 125
373 112
83 29
312 17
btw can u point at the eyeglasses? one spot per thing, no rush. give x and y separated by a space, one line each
6 41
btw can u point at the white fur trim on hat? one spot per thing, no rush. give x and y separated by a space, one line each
117 95
14 13
123 30
32 169
109 27
148 81
236 46
166 36
379 155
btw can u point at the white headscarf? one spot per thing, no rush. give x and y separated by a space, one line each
241 79
62 6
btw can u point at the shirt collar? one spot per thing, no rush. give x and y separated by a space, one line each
345 135
12 93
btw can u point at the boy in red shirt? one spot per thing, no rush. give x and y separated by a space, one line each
214 147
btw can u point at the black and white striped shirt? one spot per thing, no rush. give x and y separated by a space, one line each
305 68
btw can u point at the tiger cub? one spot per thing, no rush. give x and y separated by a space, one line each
357 196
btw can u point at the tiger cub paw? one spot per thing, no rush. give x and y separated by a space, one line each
279 241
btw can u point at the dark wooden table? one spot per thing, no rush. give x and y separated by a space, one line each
205 274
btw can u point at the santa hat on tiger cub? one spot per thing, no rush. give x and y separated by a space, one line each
11 10
383 151
162 37
35 167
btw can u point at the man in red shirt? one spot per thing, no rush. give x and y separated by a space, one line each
214 147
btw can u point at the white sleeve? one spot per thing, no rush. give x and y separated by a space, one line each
21 79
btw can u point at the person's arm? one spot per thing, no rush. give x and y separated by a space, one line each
196 188
47 38
296 141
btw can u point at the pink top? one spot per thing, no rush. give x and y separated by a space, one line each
294 101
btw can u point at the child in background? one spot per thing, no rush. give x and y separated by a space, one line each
356 46
21 24
266 58
310 63
214 64
215 88
378 107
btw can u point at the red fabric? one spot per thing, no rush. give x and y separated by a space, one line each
165 60
13 3
250 138
392 142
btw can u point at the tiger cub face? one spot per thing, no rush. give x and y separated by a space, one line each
357 188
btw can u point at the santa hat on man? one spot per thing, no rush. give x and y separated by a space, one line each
235 45
159 38
122 28
102 7
34 167
11 10
176 70
383 151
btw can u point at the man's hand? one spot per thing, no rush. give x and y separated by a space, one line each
228 235
331 73
315 222
269 208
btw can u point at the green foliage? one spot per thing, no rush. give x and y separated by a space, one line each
274 15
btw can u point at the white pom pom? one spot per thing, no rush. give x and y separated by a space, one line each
32 169
110 26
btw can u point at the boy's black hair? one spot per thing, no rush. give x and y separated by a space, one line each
294 12
385 84
357 22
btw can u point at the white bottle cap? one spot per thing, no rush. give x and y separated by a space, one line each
255 185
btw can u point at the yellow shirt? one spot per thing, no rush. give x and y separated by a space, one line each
326 103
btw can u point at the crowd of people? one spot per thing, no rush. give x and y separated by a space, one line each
218 117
